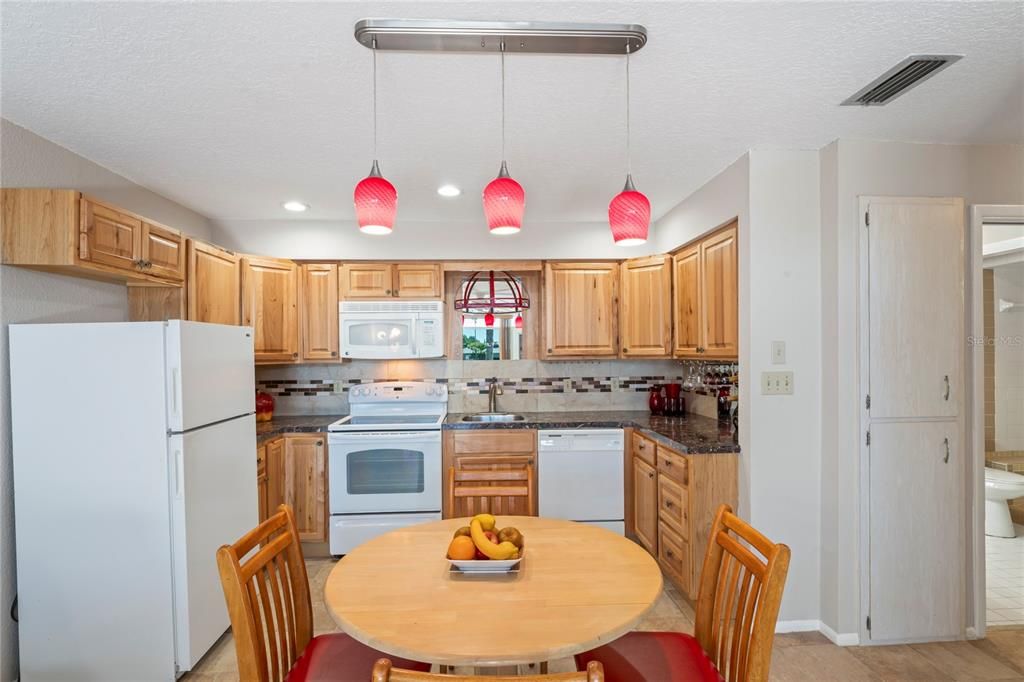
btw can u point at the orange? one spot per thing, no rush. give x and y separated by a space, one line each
461 548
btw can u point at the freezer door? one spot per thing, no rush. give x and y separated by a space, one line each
213 502
210 373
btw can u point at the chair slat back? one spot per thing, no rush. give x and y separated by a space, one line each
501 492
740 592
383 672
267 592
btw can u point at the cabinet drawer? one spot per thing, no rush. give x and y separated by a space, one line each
674 556
673 506
497 442
673 465
644 448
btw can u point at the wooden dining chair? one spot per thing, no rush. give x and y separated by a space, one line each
741 586
384 672
494 491
271 614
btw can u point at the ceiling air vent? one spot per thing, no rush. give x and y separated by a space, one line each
912 71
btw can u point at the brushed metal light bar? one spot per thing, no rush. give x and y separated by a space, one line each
428 35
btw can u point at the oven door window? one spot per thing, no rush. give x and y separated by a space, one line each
388 471
377 334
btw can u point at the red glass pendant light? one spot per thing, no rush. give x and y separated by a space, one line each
629 213
504 198
375 198
489 320
376 203
519 321
504 202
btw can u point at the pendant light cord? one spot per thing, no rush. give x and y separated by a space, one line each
374 50
502 101
629 152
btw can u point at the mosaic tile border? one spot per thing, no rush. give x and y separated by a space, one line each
471 385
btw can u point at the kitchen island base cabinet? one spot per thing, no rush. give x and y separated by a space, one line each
489 450
674 500
296 467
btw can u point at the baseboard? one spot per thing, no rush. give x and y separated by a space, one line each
840 639
784 626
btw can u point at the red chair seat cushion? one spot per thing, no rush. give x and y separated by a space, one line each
652 657
339 658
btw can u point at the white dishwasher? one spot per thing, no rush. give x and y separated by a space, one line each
580 474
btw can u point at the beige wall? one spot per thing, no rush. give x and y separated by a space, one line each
27 160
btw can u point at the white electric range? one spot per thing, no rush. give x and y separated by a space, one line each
385 460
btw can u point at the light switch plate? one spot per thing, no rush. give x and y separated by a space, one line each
776 383
778 352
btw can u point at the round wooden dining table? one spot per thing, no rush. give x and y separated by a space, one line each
579 586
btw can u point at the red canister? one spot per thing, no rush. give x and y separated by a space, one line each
264 406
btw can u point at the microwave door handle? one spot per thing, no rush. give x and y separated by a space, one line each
413 330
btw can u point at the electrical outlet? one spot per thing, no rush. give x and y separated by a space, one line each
778 352
338 387
567 385
616 384
776 383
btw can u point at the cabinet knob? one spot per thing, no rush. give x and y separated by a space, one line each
625 350
549 350
650 474
295 355
334 353
388 292
668 462
642 446
668 553
668 504
319 443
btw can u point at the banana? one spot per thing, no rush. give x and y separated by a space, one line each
499 552
487 521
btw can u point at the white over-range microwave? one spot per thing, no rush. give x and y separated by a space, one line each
391 330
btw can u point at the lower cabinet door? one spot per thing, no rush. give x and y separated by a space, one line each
305 484
645 504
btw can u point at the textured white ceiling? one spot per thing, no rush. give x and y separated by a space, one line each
231 108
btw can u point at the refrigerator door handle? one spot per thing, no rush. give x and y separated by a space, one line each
176 391
178 466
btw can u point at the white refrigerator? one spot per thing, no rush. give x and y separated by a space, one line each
134 460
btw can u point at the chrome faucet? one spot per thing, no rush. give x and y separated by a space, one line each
493 391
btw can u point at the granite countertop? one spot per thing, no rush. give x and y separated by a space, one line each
691 433
311 423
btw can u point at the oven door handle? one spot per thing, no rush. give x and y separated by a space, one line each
360 436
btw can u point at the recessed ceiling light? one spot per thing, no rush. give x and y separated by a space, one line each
295 206
449 191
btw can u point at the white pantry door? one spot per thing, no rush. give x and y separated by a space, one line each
912 346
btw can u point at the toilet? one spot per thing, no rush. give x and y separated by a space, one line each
1001 486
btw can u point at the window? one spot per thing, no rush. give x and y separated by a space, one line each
501 341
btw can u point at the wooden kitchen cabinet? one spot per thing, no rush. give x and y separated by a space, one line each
269 306
645 307
318 312
305 483
263 503
390 280
274 465
110 237
645 504
706 297
214 284
163 251
581 309
489 450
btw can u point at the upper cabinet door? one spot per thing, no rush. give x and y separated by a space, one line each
720 294
687 295
109 237
581 309
915 267
366 280
418 280
318 311
645 308
163 252
269 306
214 284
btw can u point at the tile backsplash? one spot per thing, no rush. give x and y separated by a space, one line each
529 385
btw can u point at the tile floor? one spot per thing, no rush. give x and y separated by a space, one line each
1004 579
798 657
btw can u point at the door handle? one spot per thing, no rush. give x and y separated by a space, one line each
946 379
177 473
945 460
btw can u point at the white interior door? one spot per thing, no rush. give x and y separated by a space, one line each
915 261
916 527
912 346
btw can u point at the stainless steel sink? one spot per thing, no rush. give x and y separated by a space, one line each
493 417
